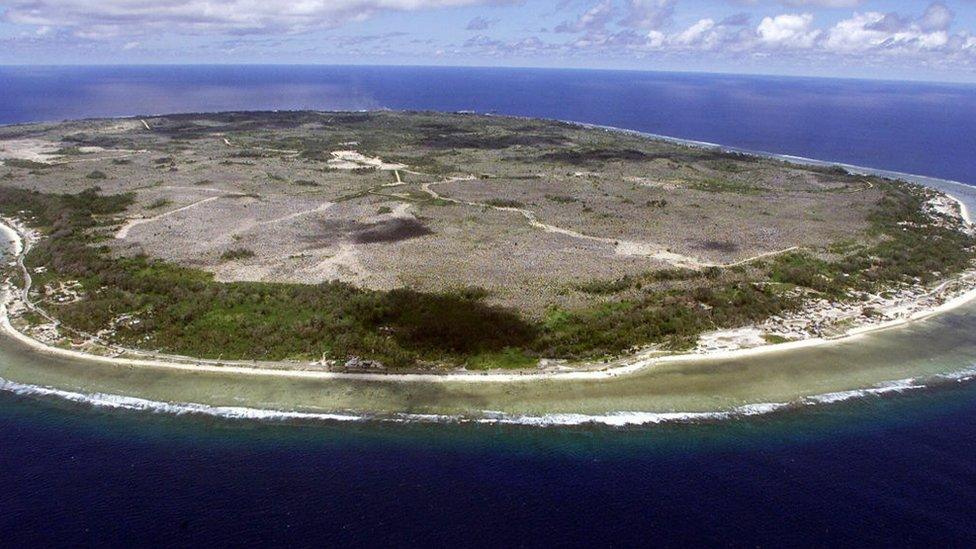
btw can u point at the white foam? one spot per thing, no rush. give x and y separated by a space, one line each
614 419
961 376
897 386
119 402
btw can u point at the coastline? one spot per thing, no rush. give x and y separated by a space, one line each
622 366
626 366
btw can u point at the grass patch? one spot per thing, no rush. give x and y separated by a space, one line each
561 199
608 287
504 203
158 203
25 164
237 253
726 186
506 359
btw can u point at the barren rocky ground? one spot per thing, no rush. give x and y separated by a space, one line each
528 210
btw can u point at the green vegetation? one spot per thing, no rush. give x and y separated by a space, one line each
184 310
673 319
726 186
504 203
25 164
158 203
96 174
506 359
561 199
925 252
237 253
727 298
608 287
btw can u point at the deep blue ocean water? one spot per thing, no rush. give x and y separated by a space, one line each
893 471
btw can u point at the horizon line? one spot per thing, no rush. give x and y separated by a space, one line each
502 67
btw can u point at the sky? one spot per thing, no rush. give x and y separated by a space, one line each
892 39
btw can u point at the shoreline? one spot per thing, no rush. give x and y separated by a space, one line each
622 366
630 365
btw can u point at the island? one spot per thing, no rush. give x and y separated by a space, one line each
379 243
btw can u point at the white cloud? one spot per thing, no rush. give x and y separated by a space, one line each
592 20
887 32
648 14
480 23
727 35
655 39
862 31
694 33
788 31
112 17
937 17
825 3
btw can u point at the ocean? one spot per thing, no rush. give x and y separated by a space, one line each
895 469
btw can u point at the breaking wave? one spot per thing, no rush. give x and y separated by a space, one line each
614 419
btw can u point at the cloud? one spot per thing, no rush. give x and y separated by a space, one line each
648 14
937 17
736 20
788 31
104 18
480 23
493 47
890 32
656 39
862 37
592 20
727 35
694 33
824 3
602 30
